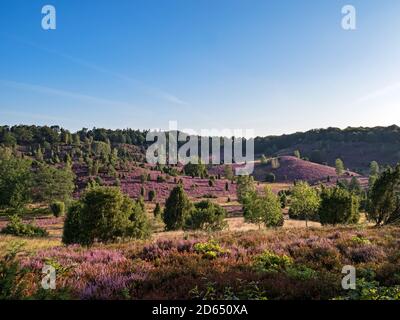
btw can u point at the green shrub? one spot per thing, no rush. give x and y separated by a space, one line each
104 214
206 216
270 177
16 227
57 208
338 206
271 262
152 195
157 210
177 209
209 250
304 202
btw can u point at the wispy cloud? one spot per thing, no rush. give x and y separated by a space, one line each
161 94
34 116
63 93
380 93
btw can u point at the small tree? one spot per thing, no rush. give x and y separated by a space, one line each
206 216
245 185
338 206
304 202
53 184
263 209
177 209
383 198
104 214
264 159
270 177
152 195
157 210
297 154
228 172
57 208
339 166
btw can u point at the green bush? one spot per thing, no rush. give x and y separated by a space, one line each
338 206
271 262
304 202
57 208
104 214
270 177
206 216
16 227
177 209
152 195
157 210
209 250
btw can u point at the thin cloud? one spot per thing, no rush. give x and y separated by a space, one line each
145 88
35 116
68 94
380 93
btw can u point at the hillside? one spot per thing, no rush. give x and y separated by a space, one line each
293 169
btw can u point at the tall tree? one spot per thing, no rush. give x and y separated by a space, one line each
339 166
177 209
304 201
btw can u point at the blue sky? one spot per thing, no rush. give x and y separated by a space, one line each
275 66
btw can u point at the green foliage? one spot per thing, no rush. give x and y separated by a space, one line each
296 153
53 184
11 286
270 177
104 214
209 250
228 172
157 210
339 167
371 290
338 206
271 262
15 181
264 209
152 195
374 169
384 198
304 202
264 159
245 186
57 208
196 169
16 227
177 209
206 216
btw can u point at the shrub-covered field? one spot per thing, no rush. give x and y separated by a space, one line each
265 264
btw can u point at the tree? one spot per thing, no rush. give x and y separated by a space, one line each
245 185
228 172
297 154
206 216
304 202
264 159
339 166
374 168
177 209
157 210
195 169
104 214
338 206
270 177
384 198
152 195
53 184
15 182
264 209
355 186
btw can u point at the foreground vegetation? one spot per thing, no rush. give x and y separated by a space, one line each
265 264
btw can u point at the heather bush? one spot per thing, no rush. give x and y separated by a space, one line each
338 206
105 214
16 227
206 216
57 208
177 209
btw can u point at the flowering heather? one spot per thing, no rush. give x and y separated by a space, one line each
172 267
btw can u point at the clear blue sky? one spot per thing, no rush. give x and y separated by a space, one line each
274 66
